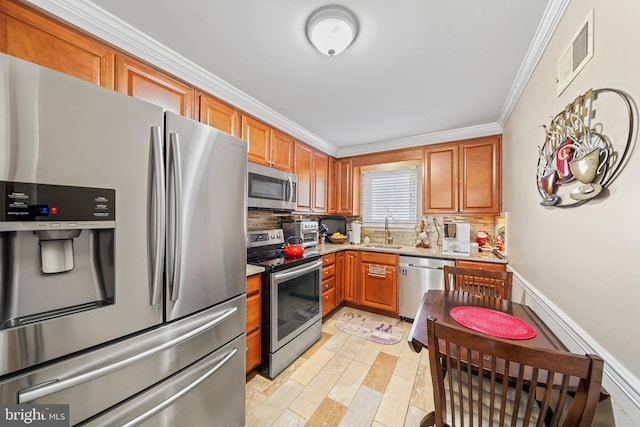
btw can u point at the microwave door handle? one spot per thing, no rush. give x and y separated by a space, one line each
290 189
176 175
159 218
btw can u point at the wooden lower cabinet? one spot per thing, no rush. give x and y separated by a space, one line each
254 295
379 282
328 284
340 270
481 264
351 267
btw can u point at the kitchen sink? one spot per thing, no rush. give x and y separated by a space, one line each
384 246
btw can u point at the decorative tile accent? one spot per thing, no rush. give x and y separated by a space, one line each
380 372
329 413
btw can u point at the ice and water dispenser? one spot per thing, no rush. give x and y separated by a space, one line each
56 251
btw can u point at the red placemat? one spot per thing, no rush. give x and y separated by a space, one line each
492 322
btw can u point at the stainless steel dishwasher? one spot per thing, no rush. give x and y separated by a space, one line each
417 275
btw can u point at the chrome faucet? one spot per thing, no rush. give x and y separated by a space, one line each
387 233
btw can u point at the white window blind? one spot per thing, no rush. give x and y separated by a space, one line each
389 193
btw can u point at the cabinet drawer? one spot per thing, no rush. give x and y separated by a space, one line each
329 271
253 350
328 259
328 284
253 283
328 301
379 258
482 265
253 312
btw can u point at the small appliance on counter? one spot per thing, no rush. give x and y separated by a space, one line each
305 229
354 235
457 238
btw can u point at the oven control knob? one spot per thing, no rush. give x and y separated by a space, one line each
272 236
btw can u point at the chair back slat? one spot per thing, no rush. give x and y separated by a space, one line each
490 283
480 380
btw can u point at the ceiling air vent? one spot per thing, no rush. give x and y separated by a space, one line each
576 55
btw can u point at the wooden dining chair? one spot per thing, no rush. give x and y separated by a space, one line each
540 388
491 283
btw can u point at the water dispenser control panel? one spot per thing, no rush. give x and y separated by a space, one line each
44 202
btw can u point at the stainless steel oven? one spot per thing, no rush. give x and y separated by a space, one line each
270 188
295 318
291 300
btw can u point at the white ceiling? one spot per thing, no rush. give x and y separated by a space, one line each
419 70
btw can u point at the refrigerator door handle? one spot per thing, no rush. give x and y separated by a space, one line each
159 218
55 385
175 174
165 404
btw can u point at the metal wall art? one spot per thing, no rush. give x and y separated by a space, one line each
578 161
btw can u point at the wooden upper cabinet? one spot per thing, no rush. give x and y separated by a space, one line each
320 181
332 184
268 146
441 178
480 176
258 135
312 168
281 150
345 187
463 177
218 114
303 162
143 82
29 35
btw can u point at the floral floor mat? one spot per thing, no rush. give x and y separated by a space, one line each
368 328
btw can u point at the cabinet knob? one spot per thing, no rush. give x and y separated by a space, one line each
327 298
326 286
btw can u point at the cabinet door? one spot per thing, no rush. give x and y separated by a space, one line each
320 174
303 162
328 301
31 36
254 356
352 262
441 179
481 181
379 287
481 265
281 151
332 184
218 114
258 135
143 82
340 275
345 187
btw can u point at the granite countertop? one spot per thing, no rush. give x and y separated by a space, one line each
254 269
328 248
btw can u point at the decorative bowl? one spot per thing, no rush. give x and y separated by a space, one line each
337 239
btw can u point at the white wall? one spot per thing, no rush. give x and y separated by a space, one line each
583 262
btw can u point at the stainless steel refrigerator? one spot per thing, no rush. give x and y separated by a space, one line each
122 256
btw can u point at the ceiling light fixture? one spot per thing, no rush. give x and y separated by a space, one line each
331 29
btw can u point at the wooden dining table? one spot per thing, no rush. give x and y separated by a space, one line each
439 303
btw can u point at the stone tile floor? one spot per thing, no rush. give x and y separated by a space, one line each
345 380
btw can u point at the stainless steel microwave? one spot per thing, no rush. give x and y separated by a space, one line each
270 188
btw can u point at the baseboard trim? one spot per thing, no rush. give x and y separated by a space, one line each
623 386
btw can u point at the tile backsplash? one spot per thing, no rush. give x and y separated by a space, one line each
264 219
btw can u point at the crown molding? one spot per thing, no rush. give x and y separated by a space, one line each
548 24
418 140
92 19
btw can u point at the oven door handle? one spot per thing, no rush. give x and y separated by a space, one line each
299 271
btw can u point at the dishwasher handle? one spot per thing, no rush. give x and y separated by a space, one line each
421 266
